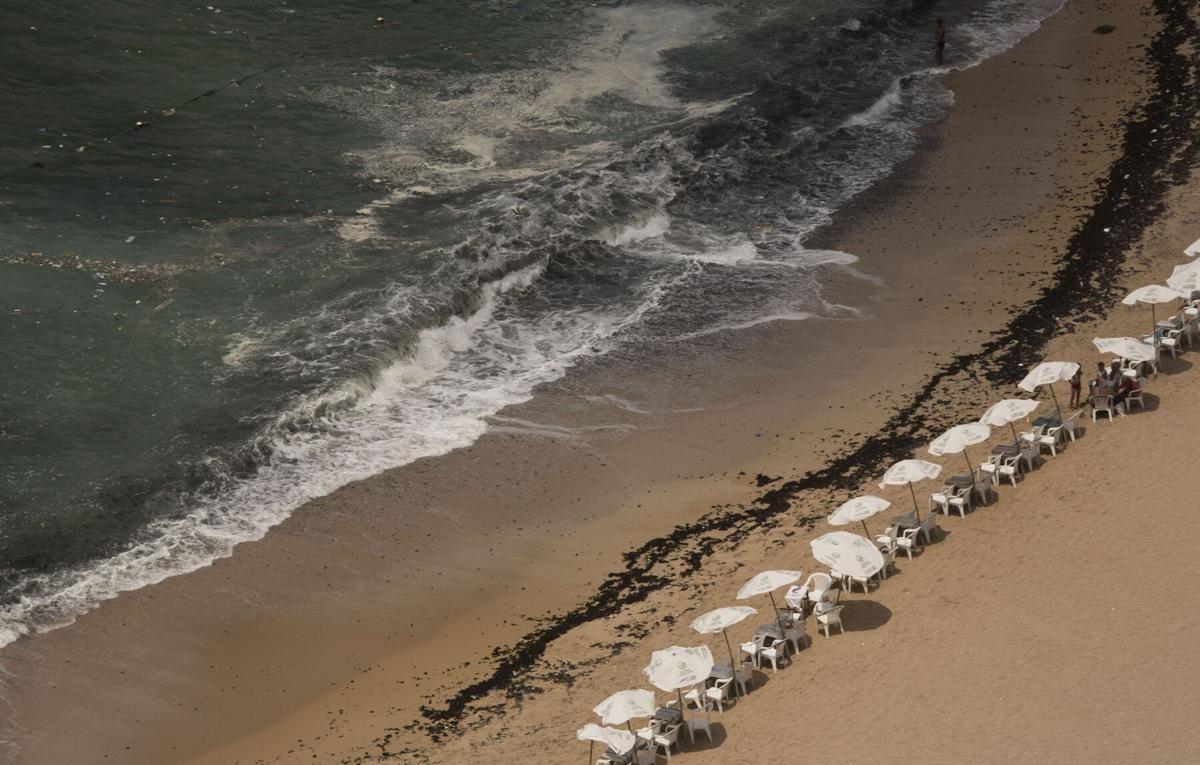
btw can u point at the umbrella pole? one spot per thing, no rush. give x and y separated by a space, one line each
970 467
914 496
778 618
865 529
1054 396
591 751
1016 438
1153 320
732 663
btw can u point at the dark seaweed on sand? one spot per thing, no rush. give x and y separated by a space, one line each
1158 153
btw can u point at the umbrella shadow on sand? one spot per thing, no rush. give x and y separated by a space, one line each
863 615
1173 366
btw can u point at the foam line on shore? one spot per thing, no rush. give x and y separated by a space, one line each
1158 153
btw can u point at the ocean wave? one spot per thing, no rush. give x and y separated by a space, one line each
693 229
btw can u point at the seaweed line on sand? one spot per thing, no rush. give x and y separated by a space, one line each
1158 153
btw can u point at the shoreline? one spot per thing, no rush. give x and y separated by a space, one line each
715 534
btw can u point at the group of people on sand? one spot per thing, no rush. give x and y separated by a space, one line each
1109 381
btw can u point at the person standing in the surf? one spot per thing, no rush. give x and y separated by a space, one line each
939 40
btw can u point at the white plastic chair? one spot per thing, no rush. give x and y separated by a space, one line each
1030 454
1102 405
908 541
887 537
794 635
776 651
1051 440
697 724
831 618
719 694
928 526
939 501
667 739
1135 397
751 649
865 581
818 585
959 499
889 560
1070 426
744 677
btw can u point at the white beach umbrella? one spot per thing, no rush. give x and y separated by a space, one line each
1185 279
619 741
958 438
1192 249
766 583
1126 348
1152 295
908 472
1008 411
1047 373
847 553
720 620
858 510
623 706
676 668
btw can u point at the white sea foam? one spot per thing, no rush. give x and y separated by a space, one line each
439 396
517 124
429 403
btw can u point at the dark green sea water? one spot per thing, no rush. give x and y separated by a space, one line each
252 251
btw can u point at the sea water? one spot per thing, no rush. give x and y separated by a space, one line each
252 251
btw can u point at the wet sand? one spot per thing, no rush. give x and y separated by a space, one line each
322 641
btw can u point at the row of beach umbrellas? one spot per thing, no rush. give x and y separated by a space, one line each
676 668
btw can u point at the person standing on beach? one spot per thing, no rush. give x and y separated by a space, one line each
1076 386
939 40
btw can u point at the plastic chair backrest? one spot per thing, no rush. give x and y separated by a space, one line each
818 582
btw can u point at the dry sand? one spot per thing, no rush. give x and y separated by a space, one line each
1037 630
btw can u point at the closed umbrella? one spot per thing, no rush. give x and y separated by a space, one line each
720 620
958 438
1152 295
908 472
848 554
858 510
766 583
1047 373
617 740
1007 412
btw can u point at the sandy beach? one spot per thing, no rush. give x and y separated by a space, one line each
476 606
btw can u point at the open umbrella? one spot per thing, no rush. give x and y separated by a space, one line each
908 472
1007 412
720 620
617 740
623 706
1047 373
676 668
767 582
1126 348
848 554
1151 294
858 510
958 438
1185 279
1193 249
